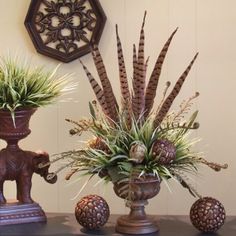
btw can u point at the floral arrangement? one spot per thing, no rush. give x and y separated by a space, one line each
135 140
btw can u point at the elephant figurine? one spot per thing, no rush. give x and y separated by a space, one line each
18 165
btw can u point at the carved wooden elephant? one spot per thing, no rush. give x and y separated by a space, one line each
19 165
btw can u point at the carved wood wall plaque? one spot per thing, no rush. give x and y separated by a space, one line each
65 29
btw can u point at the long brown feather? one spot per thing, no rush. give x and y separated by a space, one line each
135 63
169 100
111 102
154 79
124 86
97 89
134 60
139 89
145 67
135 74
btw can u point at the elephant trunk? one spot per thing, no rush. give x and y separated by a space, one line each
42 163
50 178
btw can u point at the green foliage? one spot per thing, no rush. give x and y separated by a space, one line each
118 139
22 86
108 153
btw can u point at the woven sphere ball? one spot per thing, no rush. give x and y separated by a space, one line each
92 212
164 151
207 214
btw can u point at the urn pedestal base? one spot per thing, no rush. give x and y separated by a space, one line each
137 222
18 213
126 225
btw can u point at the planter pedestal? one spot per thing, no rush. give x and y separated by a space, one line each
19 165
136 192
136 222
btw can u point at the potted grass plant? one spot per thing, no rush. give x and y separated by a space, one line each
22 91
136 146
22 87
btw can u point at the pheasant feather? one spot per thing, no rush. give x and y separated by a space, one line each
134 63
139 89
124 86
169 100
134 70
154 79
97 90
111 102
146 66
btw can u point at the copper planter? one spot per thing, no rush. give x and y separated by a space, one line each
9 131
137 192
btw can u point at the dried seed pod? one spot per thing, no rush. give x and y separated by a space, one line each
137 152
92 212
99 144
163 151
207 214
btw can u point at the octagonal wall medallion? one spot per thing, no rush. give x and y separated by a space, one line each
65 29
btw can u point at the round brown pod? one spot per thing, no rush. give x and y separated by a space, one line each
207 214
164 151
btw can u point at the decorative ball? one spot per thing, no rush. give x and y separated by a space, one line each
164 151
137 152
92 212
207 214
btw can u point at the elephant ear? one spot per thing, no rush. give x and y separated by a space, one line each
40 160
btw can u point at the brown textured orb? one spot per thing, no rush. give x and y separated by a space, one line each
92 212
207 214
164 151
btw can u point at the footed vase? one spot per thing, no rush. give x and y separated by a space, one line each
137 191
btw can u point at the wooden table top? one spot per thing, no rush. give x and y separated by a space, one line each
66 225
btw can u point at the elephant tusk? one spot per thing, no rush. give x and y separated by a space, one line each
42 165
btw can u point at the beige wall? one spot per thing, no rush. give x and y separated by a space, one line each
206 26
